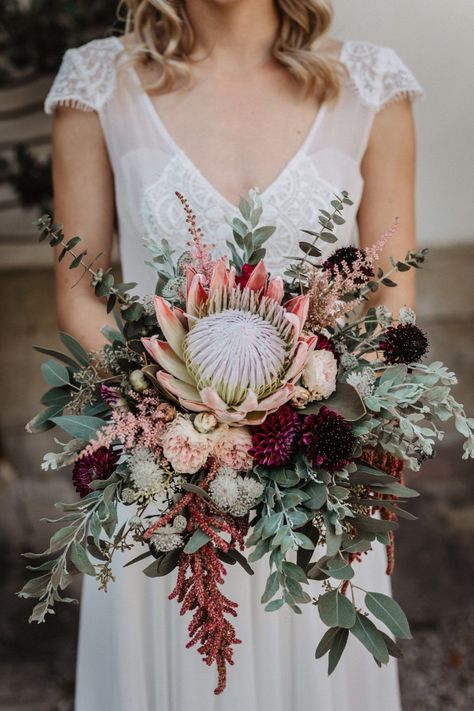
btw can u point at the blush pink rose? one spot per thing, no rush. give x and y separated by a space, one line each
184 447
231 447
319 374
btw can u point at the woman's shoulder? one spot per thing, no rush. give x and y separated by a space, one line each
86 78
378 73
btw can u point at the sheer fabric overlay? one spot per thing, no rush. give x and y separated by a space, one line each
132 654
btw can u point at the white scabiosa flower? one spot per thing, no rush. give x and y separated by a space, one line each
406 316
166 540
224 489
234 494
363 381
250 491
145 473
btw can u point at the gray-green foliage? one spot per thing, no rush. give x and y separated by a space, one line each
249 237
70 547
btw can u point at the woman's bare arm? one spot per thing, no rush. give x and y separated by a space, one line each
84 205
388 169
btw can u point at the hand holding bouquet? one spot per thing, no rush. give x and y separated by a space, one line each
240 415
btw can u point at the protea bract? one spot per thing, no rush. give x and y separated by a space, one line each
235 352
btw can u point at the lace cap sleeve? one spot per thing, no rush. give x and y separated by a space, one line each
86 78
379 74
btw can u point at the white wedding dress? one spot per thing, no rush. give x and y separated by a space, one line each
132 654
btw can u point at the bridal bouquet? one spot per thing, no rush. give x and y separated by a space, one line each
235 415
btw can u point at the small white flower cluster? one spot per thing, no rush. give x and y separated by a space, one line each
169 537
234 494
406 316
349 361
363 381
146 475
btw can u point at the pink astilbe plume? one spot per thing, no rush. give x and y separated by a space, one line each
328 287
201 253
142 428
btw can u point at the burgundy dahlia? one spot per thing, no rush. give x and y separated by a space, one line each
405 343
98 465
274 441
346 258
328 439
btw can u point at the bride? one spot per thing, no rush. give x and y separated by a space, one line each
211 98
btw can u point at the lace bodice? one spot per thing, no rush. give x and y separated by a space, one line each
149 166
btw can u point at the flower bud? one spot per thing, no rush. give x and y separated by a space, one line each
179 524
300 397
138 381
205 422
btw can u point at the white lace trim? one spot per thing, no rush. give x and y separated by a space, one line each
289 204
378 74
87 76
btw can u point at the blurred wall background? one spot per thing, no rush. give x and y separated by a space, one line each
435 565
435 38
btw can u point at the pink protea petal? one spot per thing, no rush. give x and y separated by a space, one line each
170 324
167 358
300 357
177 387
210 398
258 278
276 399
275 289
231 277
230 417
219 277
190 274
299 306
192 405
179 313
250 403
197 296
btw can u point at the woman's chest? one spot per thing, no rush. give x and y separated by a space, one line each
238 133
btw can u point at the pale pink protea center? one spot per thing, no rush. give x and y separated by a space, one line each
234 351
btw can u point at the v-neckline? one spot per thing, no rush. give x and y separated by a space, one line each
165 134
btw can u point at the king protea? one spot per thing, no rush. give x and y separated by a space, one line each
236 352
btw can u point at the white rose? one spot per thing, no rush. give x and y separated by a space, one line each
319 374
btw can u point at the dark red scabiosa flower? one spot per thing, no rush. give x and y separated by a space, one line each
405 343
98 465
274 441
247 270
328 440
345 258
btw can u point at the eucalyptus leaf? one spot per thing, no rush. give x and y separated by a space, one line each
388 611
326 641
197 540
367 633
337 648
56 374
335 610
346 401
79 353
79 426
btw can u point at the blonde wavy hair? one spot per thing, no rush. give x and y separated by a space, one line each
162 33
